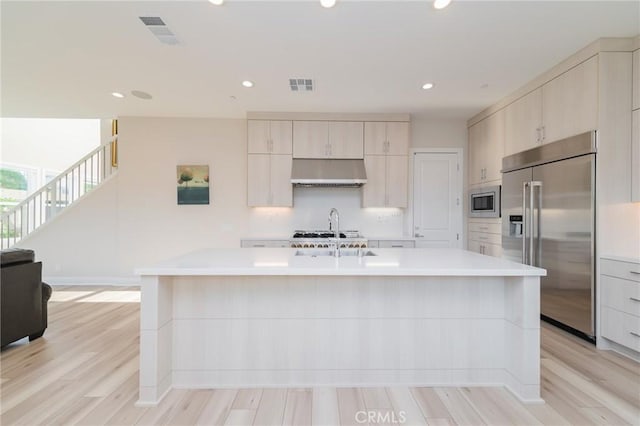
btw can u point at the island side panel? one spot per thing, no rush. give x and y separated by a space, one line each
338 331
156 339
522 337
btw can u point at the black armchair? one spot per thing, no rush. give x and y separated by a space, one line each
23 296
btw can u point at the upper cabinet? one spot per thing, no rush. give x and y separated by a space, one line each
486 149
386 138
387 180
570 102
269 180
635 156
269 144
523 123
328 139
636 79
269 137
386 148
563 107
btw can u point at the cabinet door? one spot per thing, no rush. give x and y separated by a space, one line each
398 138
635 157
397 172
374 191
281 135
494 250
523 120
570 102
636 79
474 246
258 180
476 140
281 188
493 146
346 139
258 136
310 139
375 138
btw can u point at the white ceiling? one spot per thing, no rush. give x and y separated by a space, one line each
63 59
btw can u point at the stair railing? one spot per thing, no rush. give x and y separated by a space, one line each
62 191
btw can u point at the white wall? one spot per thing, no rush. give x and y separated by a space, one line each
134 218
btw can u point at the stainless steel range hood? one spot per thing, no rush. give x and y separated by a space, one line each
315 172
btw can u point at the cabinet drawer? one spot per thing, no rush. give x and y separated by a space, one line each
620 294
619 269
486 238
396 244
264 243
620 327
490 228
485 248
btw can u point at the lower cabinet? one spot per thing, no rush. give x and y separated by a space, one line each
264 243
392 243
485 237
620 302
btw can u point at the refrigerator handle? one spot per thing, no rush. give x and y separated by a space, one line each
525 222
535 254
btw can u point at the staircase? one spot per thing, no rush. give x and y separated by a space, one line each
63 191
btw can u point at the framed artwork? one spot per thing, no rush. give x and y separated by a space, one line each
193 185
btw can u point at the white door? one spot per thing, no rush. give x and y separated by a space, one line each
437 200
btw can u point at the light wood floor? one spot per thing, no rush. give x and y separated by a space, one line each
85 371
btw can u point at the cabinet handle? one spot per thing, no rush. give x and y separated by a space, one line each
543 133
396 246
538 134
483 227
634 272
634 334
634 299
258 245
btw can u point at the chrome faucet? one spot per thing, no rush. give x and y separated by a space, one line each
333 211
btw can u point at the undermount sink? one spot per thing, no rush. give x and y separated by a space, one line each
343 252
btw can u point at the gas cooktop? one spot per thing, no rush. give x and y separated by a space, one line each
322 239
325 234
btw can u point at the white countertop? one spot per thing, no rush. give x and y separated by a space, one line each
388 262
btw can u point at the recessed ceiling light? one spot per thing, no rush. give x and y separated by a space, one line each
427 86
440 4
117 95
247 83
216 2
328 3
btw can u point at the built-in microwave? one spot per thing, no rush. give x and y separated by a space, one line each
484 202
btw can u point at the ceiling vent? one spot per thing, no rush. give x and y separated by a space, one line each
301 84
159 29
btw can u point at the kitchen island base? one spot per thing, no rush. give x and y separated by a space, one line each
356 331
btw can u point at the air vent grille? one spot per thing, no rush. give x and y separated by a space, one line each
152 20
301 84
158 28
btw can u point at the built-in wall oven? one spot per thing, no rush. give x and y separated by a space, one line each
484 202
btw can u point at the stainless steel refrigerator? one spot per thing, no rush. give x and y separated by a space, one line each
548 220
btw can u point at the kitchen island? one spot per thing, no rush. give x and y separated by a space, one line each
273 318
